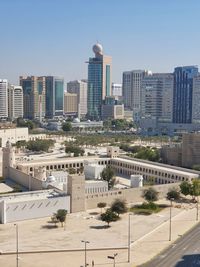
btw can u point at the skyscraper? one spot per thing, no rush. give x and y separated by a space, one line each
131 88
196 100
79 88
3 98
156 96
15 102
54 96
34 91
99 81
182 95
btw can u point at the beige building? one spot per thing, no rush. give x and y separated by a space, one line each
34 96
80 88
191 150
70 104
186 154
13 135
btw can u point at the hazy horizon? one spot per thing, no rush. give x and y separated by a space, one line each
56 37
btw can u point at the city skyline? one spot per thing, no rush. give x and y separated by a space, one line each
56 38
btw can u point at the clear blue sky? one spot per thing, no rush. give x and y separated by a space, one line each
55 37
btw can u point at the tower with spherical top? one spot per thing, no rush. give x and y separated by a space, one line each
99 81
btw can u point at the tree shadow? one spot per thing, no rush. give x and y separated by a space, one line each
93 213
98 227
49 226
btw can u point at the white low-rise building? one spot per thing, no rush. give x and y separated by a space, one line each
93 170
31 205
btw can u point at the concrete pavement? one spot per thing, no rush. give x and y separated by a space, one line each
144 247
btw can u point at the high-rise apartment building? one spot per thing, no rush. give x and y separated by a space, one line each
183 93
99 81
131 89
70 104
196 100
116 89
156 96
34 96
3 98
80 88
54 96
15 102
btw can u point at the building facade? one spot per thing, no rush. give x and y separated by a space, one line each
15 102
183 91
80 88
54 96
191 150
196 100
99 81
3 98
117 89
70 104
157 96
131 89
34 96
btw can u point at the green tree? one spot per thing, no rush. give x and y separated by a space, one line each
70 148
25 123
185 188
67 126
61 215
101 205
108 175
173 194
195 188
196 167
72 171
40 145
21 143
109 216
119 206
150 194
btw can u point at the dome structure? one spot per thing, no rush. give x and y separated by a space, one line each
76 120
97 49
50 179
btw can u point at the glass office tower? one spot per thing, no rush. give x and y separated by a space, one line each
182 95
54 96
99 81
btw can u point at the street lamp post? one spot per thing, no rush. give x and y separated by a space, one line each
197 214
170 219
113 258
85 242
129 236
17 245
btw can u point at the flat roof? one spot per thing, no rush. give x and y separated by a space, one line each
153 166
52 161
31 195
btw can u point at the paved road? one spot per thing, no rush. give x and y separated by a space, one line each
185 252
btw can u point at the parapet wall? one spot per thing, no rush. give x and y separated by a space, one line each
131 195
24 179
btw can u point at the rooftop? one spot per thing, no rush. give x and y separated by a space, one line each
158 167
32 195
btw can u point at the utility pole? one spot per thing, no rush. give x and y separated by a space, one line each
85 242
170 219
17 245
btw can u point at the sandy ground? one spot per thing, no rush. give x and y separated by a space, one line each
147 233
